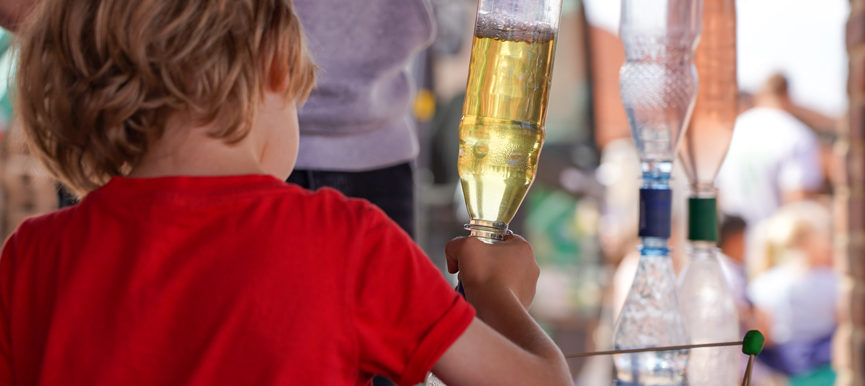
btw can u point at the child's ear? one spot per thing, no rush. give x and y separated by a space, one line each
277 81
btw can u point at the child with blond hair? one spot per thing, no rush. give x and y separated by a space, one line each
796 299
189 261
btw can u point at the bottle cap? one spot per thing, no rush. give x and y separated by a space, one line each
655 212
702 219
752 344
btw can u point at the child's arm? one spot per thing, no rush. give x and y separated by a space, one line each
504 345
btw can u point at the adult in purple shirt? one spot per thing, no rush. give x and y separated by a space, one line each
357 134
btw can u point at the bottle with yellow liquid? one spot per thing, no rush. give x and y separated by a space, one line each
502 127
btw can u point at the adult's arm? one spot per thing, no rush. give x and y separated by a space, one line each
12 12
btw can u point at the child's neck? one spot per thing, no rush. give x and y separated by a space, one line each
185 151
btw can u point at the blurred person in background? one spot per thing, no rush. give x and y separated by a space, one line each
357 133
731 241
795 301
773 158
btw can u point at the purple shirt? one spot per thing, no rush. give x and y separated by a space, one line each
358 116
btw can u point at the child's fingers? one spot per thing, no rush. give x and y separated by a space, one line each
514 238
452 252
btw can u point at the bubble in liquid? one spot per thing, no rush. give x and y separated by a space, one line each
481 150
515 158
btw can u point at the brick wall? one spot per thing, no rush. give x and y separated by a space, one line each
849 345
608 55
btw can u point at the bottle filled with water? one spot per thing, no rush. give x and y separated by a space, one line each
658 86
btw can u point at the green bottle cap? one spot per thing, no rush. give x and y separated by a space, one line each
753 342
702 219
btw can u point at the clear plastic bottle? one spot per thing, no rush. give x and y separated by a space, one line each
706 303
709 314
658 81
651 318
502 129
658 85
503 124
706 141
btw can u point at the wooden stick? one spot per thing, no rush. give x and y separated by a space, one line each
747 380
667 348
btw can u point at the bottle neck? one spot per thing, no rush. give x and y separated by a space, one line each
655 247
703 190
702 250
656 174
702 219
655 213
489 232
655 208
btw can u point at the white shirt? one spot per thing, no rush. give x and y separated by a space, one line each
771 153
801 302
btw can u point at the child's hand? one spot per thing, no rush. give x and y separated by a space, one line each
499 281
507 265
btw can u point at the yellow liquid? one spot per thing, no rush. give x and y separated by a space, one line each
502 128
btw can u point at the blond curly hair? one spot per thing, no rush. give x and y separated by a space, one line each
98 79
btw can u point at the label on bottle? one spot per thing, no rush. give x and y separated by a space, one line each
655 212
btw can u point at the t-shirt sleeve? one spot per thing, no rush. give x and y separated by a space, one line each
6 273
406 314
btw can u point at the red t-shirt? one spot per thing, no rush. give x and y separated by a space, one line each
220 281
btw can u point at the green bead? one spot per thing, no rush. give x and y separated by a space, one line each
753 342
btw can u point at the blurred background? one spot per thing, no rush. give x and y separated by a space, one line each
581 214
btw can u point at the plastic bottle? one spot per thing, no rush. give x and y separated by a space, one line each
658 85
706 303
709 314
